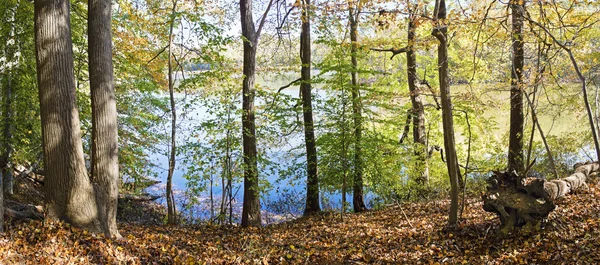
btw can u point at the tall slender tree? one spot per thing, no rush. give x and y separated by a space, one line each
171 207
312 182
7 115
105 163
440 31
358 200
416 114
7 168
418 111
517 119
69 193
250 35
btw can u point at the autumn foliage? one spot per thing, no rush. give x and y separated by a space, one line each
570 236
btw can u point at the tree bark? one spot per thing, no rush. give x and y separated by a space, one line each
171 206
6 163
441 33
251 206
312 182
358 196
517 119
418 111
105 163
69 192
7 167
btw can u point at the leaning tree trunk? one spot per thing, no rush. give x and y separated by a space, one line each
526 200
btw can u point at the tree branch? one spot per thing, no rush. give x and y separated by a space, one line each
158 54
262 23
392 50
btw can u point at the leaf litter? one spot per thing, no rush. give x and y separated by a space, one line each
571 235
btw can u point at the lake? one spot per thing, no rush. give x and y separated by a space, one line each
285 199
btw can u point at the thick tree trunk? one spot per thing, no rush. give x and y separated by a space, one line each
69 192
358 196
517 119
312 182
105 163
418 111
171 206
526 200
441 33
251 206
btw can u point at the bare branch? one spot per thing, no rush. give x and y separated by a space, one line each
158 54
392 50
288 85
285 18
262 23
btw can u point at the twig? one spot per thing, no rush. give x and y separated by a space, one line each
158 54
405 216
288 85
434 95
467 163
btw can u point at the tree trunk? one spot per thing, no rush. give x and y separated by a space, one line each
441 33
105 162
344 149
418 111
312 182
69 193
7 167
526 200
517 119
6 163
251 206
358 196
171 206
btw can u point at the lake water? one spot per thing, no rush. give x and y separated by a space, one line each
284 200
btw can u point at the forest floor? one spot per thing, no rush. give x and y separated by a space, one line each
412 233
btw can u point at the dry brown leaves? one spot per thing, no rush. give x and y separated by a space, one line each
571 236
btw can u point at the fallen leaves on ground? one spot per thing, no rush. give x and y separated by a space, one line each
571 235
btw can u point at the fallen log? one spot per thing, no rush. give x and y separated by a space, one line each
525 200
18 211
